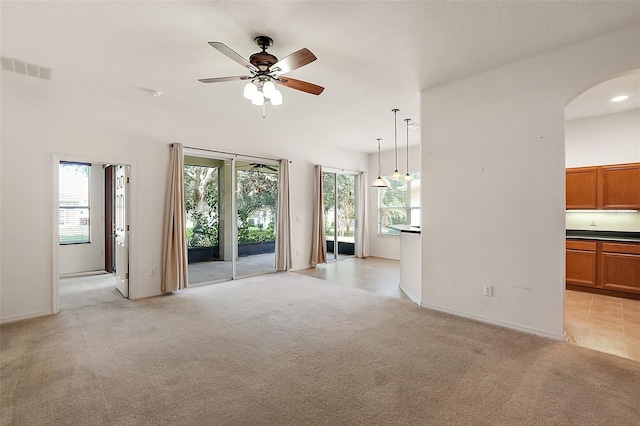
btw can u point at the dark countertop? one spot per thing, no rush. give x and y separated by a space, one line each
405 228
619 236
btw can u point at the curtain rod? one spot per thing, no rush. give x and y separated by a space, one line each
233 154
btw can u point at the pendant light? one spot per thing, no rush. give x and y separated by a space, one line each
396 174
379 182
407 177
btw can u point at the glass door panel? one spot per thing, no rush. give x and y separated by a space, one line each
257 198
208 210
329 210
346 215
339 209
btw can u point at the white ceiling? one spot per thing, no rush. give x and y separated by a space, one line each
372 55
597 100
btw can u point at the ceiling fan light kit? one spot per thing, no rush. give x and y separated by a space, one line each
266 71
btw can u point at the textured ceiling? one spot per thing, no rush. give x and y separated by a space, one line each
372 55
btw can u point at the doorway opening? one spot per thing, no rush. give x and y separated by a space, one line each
339 210
231 209
601 291
91 233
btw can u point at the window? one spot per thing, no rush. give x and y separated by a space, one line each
73 198
399 204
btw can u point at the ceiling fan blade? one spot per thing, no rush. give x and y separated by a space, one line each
230 53
221 79
304 86
294 61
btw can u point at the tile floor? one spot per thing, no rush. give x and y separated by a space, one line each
604 323
373 274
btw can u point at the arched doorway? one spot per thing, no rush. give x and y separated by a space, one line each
602 128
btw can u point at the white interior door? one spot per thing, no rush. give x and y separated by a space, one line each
122 230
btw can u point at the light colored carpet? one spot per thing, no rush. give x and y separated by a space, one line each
285 349
87 290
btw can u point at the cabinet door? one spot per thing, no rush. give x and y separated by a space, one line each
621 186
581 185
621 267
581 267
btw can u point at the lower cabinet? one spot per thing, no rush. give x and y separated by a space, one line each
603 267
581 263
621 267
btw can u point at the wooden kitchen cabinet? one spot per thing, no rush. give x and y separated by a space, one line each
620 186
621 267
581 263
614 186
582 188
609 268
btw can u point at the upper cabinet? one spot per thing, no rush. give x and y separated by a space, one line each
621 186
604 187
582 188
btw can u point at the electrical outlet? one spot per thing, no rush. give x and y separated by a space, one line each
297 252
488 290
153 272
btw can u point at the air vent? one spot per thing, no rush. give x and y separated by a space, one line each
25 68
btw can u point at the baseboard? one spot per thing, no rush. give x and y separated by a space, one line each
84 274
415 299
505 324
145 295
300 268
21 317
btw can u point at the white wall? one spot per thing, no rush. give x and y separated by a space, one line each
40 119
388 246
76 258
606 139
493 162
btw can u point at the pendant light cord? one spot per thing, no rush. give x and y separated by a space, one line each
395 130
379 163
407 121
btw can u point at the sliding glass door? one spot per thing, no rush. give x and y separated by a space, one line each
257 201
339 208
230 218
208 207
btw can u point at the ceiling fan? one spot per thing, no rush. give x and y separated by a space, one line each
258 167
265 70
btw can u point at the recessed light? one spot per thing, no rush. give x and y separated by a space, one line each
619 98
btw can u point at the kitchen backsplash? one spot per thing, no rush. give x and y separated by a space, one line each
603 220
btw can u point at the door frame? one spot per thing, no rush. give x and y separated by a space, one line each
233 158
356 194
55 246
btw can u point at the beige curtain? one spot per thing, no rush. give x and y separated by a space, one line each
174 244
319 238
283 223
362 234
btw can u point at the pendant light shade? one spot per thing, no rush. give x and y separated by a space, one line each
407 177
396 174
379 182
